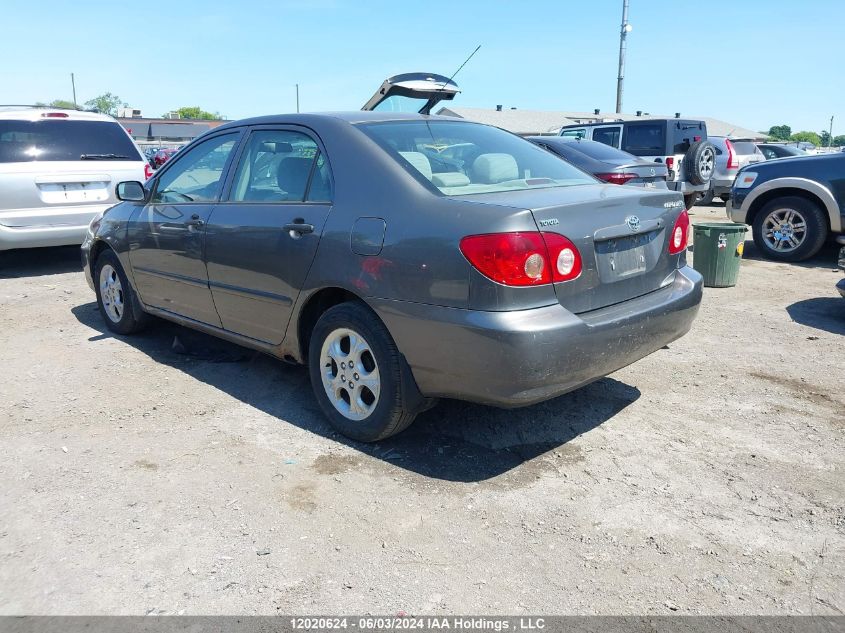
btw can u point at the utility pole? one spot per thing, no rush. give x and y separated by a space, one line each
830 133
73 84
623 45
297 98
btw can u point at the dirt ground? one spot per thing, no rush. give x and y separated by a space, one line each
138 476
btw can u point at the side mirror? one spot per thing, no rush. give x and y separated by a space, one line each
131 191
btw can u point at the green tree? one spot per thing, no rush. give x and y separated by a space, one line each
195 112
58 103
824 137
839 140
106 103
780 132
806 137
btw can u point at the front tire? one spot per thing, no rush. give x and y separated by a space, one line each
789 229
115 296
357 374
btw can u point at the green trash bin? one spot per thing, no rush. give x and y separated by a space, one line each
717 252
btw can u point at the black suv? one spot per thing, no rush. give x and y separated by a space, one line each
792 204
680 144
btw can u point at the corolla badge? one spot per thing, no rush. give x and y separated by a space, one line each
633 223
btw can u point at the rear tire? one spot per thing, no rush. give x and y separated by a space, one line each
689 200
115 297
357 374
706 198
789 229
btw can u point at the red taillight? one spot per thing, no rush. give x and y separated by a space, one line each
670 162
523 258
616 178
680 234
54 115
733 163
148 172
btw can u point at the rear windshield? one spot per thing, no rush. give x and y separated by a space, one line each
59 139
744 147
464 158
645 139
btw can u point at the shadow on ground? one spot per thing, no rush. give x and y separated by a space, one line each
454 441
822 313
825 258
35 262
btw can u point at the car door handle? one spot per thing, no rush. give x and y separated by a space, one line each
194 221
299 227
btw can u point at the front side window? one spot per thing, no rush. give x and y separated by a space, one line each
579 133
460 158
279 166
64 140
197 174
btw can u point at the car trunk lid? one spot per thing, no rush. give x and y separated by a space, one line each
621 233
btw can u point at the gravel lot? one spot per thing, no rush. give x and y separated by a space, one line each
138 476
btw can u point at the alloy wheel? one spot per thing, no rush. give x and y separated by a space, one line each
350 373
784 230
111 293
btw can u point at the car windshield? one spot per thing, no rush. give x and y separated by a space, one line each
54 140
744 147
465 158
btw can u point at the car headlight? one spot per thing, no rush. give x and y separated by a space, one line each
745 179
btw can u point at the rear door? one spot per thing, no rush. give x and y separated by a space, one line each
747 153
262 239
166 236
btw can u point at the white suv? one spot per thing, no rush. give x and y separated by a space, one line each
58 171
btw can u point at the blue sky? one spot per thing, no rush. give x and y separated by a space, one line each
755 63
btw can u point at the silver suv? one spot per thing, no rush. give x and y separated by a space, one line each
58 171
680 144
732 154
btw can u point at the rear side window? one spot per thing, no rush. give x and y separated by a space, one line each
607 135
645 139
279 166
579 133
59 139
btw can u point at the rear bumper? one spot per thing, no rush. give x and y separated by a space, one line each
39 236
686 187
512 359
722 185
59 226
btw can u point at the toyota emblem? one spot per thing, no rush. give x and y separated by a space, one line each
633 223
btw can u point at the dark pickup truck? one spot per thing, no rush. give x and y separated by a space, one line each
792 204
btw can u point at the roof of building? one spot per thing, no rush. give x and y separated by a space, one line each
517 121
528 122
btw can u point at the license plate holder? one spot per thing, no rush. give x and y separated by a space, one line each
623 257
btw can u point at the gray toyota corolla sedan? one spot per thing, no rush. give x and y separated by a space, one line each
402 258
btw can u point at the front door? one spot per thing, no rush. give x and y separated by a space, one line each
166 236
261 240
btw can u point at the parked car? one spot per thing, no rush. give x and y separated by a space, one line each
775 150
58 170
604 162
396 277
732 154
792 204
840 285
163 155
680 144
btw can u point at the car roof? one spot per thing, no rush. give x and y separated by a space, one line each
352 117
39 113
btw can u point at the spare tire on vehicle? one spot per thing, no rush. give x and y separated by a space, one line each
700 161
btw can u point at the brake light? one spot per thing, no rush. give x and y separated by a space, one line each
54 115
523 258
148 171
680 234
670 163
616 178
733 163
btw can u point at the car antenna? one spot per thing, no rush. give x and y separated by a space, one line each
461 66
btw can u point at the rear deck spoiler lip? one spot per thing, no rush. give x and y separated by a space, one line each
432 87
